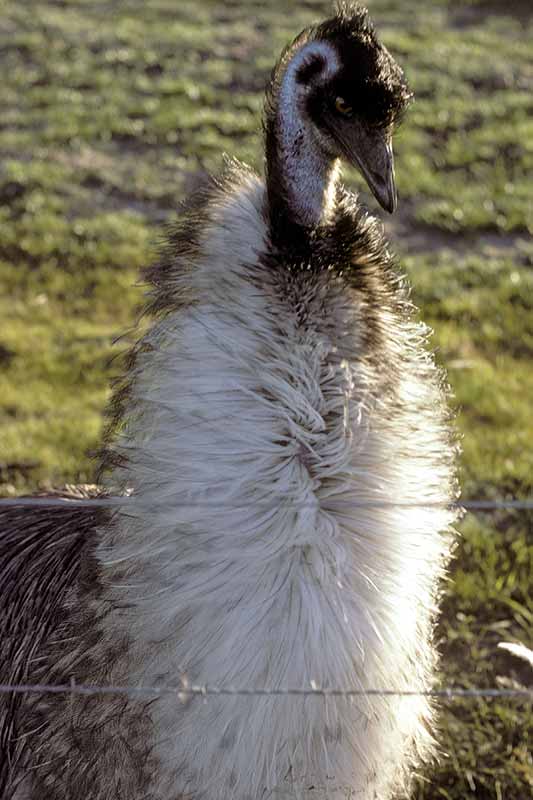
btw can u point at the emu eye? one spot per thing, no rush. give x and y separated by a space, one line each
342 107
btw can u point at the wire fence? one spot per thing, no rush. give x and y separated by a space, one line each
122 501
182 693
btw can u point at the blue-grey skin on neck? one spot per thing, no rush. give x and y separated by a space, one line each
305 166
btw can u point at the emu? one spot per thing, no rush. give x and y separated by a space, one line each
283 446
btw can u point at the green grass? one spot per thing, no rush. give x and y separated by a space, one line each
111 112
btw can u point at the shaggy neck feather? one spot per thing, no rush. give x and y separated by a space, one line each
245 558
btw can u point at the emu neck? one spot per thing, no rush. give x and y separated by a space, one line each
301 174
303 178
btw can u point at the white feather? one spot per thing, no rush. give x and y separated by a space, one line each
518 650
249 562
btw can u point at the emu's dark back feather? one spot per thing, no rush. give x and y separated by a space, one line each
44 553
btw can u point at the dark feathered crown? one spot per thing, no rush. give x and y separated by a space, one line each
370 79
370 75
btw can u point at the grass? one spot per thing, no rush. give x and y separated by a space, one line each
111 112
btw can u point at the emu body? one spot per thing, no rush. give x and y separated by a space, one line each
279 430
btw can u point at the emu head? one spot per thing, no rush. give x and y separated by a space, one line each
348 93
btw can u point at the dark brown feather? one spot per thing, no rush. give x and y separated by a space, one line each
44 553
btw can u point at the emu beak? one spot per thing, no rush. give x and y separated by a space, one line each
371 153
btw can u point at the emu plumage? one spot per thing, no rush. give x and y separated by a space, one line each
283 435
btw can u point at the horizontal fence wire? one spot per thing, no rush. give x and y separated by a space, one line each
122 502
183 693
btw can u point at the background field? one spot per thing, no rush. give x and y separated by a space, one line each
110 112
